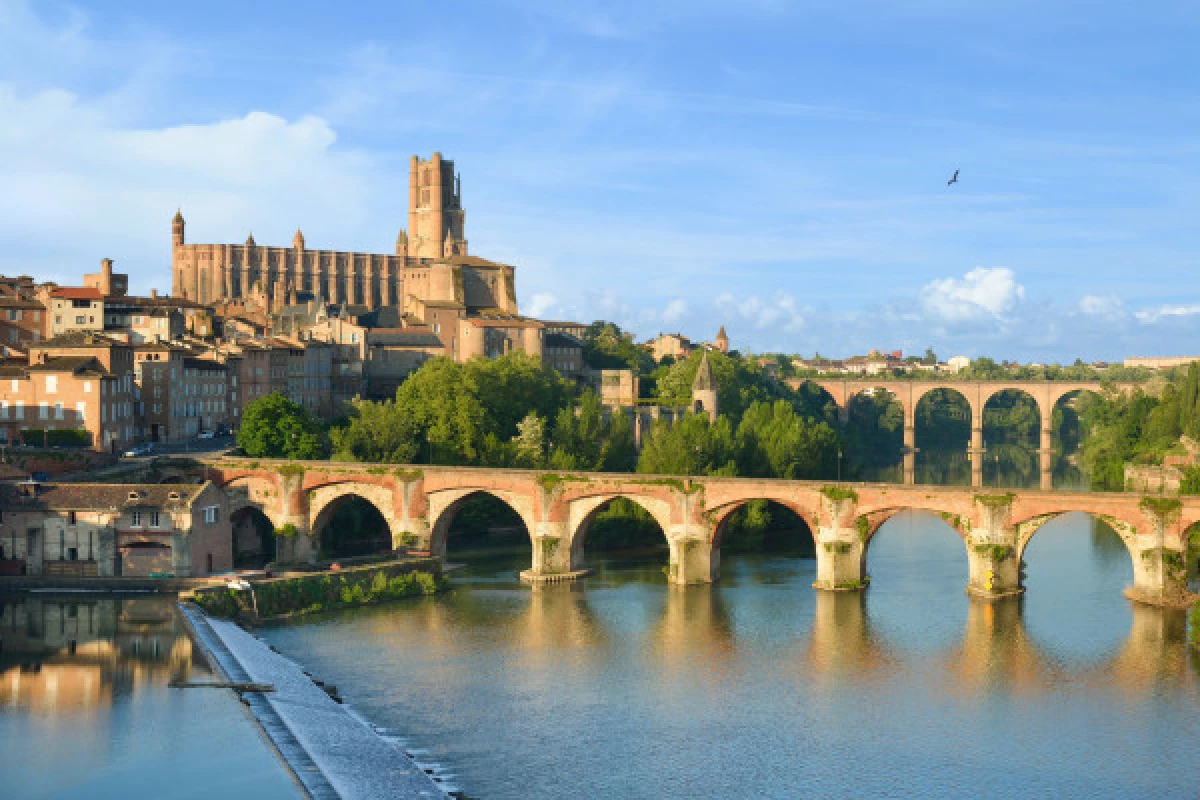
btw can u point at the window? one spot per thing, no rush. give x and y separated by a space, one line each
20 411
70 517
87 387
4 409
210 514
51 384
135 517
80 320
81 411
153 519
58 411
43 411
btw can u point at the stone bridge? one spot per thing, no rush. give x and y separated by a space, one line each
908 394
420 503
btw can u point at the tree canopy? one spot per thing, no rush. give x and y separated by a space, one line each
275 427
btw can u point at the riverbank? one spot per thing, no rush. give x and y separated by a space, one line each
277 598
331 752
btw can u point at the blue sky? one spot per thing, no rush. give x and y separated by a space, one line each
777 167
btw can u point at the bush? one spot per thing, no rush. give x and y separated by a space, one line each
59 437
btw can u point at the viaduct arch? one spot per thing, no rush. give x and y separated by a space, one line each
557 508
1046 394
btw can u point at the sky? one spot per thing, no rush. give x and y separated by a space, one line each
779 168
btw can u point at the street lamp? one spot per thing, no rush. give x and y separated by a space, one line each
839 474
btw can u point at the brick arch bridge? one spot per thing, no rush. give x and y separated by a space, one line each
908 394
557 508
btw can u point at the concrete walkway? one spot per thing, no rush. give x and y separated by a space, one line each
332 753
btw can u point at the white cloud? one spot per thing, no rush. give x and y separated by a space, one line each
674 311
777 314
987 290
541 304
1105 305
1153 315
66 159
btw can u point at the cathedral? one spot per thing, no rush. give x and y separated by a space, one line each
430 264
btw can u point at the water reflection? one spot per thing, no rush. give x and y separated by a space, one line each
624 686
841 643
86 709
75 655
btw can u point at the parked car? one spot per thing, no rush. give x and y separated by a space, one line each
205 434
139 450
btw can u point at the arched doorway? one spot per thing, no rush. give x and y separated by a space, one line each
621 539
943 435
874 434
253 538
351 526
1012 425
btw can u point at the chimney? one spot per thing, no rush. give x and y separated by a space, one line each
154 294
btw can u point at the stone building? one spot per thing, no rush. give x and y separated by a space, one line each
430 261
675 345
92 529
78 381
72 308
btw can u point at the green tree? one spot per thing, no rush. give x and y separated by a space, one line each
606 346
529 445
588 437
376 432
690 446
275 427
773 441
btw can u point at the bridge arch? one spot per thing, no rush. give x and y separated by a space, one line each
942 420
326 502
258 492
1002 445
582 511
722 515
444 506
1125 528
254 544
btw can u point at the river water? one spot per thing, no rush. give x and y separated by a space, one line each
622 686
86 707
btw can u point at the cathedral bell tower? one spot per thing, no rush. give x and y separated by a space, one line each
435 214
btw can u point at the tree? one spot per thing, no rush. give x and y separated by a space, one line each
376 432
606 346
775 442
275 427
529 445
691 446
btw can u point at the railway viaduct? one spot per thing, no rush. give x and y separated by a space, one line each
908 394
419 503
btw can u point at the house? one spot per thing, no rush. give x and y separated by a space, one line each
96 529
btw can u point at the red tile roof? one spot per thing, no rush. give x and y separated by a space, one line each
77 293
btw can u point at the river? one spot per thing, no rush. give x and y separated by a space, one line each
86 707
622 686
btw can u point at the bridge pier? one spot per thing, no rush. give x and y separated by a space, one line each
910 447
995 568
976 450
1160 577
693 560
841 548
1046 452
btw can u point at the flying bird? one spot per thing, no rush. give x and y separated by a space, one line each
953 180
